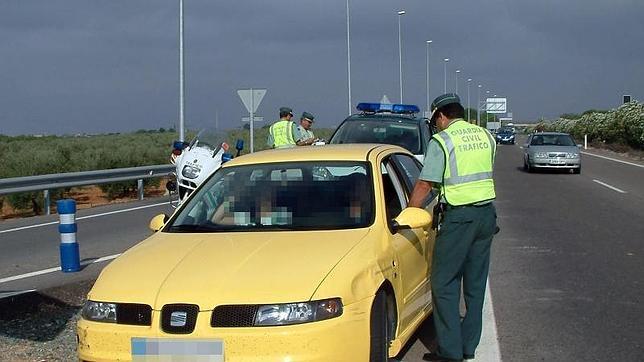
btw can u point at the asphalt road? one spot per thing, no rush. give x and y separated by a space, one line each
567 267
32 244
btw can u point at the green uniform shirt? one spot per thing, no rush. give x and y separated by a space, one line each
303 134
434 163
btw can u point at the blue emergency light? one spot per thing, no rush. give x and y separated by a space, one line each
179 145
391 108
226 157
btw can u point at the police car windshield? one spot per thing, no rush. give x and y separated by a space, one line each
281 196
380 130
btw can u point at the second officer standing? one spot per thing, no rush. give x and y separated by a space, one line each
305 136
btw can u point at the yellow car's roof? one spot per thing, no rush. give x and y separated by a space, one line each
345 152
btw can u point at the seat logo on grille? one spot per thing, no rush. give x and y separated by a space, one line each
178 319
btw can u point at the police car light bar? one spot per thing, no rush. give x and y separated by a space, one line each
392 108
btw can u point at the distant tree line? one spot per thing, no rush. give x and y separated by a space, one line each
29 155
621 126
34 155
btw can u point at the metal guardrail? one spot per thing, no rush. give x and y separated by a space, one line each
72 179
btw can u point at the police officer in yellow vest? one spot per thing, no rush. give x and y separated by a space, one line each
282 133
459 162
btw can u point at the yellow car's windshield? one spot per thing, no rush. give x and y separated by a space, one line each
281 196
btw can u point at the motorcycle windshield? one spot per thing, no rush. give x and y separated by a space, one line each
211 140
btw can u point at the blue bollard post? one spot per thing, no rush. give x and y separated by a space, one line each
69 254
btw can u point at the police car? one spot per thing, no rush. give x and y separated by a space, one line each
396 124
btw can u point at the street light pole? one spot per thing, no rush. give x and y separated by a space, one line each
445 75
181 74
487 93
428 42
400 14
348 60
457 71
478 107
469 80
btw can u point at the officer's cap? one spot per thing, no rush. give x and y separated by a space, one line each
308 116
443 100
286 110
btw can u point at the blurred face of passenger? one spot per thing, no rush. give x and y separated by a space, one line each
358 198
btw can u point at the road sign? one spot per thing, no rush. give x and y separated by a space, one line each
251 98
496 105
255 119
627 98
493 125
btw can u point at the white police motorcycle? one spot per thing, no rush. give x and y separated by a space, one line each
197 160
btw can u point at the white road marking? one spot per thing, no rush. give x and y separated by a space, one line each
609 186
14 293
28 227
488 349
83 217
613 159
52 270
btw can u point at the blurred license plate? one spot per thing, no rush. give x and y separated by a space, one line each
165 349
557 162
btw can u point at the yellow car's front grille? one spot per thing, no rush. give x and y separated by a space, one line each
179 318
233 316
134 314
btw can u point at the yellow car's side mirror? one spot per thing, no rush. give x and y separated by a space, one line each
158 221
412 218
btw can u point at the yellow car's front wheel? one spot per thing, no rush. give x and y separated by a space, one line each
383 324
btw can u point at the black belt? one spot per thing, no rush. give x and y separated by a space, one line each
453 207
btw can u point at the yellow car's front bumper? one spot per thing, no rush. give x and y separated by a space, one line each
345 338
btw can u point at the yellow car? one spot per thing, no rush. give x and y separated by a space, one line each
302 254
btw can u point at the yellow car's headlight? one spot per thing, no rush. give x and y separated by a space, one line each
121 313
296 313
99 311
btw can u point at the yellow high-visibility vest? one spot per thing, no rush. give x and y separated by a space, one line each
282 132
469 160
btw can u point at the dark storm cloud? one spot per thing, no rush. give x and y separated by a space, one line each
70 66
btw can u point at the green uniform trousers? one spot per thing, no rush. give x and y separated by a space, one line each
461 253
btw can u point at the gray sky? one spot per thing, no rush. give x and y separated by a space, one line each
71 66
